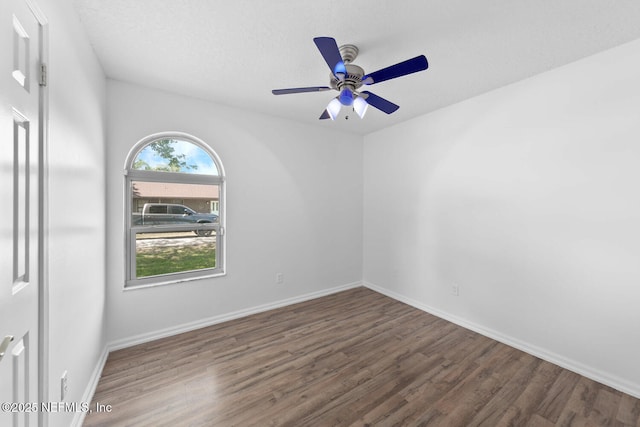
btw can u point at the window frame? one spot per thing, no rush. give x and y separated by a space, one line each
132 175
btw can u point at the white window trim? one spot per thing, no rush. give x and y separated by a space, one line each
130 175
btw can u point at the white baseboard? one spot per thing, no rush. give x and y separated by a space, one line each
571 365
78 419
174 330
139 339
616 383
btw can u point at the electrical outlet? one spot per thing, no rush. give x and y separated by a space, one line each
279 278
64 386
455 290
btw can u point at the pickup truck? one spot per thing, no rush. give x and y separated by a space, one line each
170 213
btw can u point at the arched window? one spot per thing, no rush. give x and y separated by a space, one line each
174 186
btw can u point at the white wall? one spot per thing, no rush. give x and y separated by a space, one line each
527 198
76 229
294 205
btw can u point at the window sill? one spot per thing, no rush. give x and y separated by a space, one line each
135 286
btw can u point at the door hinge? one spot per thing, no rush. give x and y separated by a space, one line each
43 74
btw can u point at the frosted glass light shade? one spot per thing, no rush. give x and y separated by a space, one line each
334 108
360 106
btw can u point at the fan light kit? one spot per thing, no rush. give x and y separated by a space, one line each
347 78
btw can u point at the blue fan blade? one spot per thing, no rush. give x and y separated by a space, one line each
325 115
300 90
331 54
400 69
379 103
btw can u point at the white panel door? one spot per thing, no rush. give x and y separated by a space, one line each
20 52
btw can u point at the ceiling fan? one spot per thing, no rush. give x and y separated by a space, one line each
347 78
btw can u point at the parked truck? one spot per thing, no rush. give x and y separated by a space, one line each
171 213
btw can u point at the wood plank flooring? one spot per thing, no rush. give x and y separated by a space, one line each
355 358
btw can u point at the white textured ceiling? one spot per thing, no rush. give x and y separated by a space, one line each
234 52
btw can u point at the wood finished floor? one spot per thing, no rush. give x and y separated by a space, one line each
354 358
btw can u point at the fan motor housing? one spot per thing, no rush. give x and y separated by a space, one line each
353 79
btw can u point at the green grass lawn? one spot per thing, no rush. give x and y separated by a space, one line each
174 259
